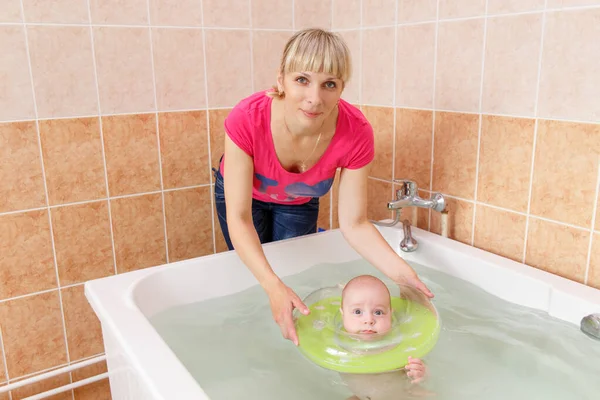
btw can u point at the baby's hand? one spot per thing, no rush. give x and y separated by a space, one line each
415 370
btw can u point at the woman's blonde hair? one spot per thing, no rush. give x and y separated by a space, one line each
315 50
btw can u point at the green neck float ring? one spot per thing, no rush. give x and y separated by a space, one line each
414 332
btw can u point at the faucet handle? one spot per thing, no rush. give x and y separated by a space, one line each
409 187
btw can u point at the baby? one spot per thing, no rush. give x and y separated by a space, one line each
366 310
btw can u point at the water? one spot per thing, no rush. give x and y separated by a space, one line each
488 348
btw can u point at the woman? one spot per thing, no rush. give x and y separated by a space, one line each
282 149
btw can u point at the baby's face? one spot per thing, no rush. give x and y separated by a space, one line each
366 309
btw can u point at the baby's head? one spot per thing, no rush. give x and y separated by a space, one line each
366 306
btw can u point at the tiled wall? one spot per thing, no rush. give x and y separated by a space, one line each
495 104
111 115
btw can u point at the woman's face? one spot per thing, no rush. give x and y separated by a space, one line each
310 97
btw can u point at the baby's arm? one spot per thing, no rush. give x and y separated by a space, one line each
415 370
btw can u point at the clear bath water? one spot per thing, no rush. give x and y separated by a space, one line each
488 349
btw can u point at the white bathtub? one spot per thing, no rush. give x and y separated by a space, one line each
141 365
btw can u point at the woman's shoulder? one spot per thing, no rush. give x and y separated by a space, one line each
353 119
258 101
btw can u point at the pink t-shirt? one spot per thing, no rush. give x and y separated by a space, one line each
249 127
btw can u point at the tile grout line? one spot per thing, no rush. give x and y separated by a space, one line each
394 94
4 360
535 133
331 189
105 166
39 138
575 121
160 164
433 112
208 132
360 52
125 196
458 19
595 211
477 159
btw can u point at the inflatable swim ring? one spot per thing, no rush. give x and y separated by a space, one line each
323 340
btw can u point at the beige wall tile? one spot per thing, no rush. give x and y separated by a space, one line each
43 386
382 121
558 249
83 244
32 330
324 212
379 195
176 13
183 148
416 10
500 232
594 273
460 220
378 12
569 76
413 146
571 3
124 67
131 153
119 12
459 57
226 13
335 193
512 6
21 179
138 228
272 14
16 101
95 391
217 135
266 56
10 11
73 160
189 223
565 171
227 61
56 12
597 227
351 91
312 14
179 69
414 65
27 262
455 154
378 67
346 14
505 161
71 89
511 68
84 334
461 8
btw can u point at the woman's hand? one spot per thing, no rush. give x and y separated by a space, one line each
283 300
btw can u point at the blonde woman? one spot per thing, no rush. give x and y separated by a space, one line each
282 149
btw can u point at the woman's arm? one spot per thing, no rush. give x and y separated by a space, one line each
363 236
239 175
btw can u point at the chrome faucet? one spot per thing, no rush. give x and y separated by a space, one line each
407 196
590 325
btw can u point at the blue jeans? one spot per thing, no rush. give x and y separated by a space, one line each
272 221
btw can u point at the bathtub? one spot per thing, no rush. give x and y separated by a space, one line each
141 365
